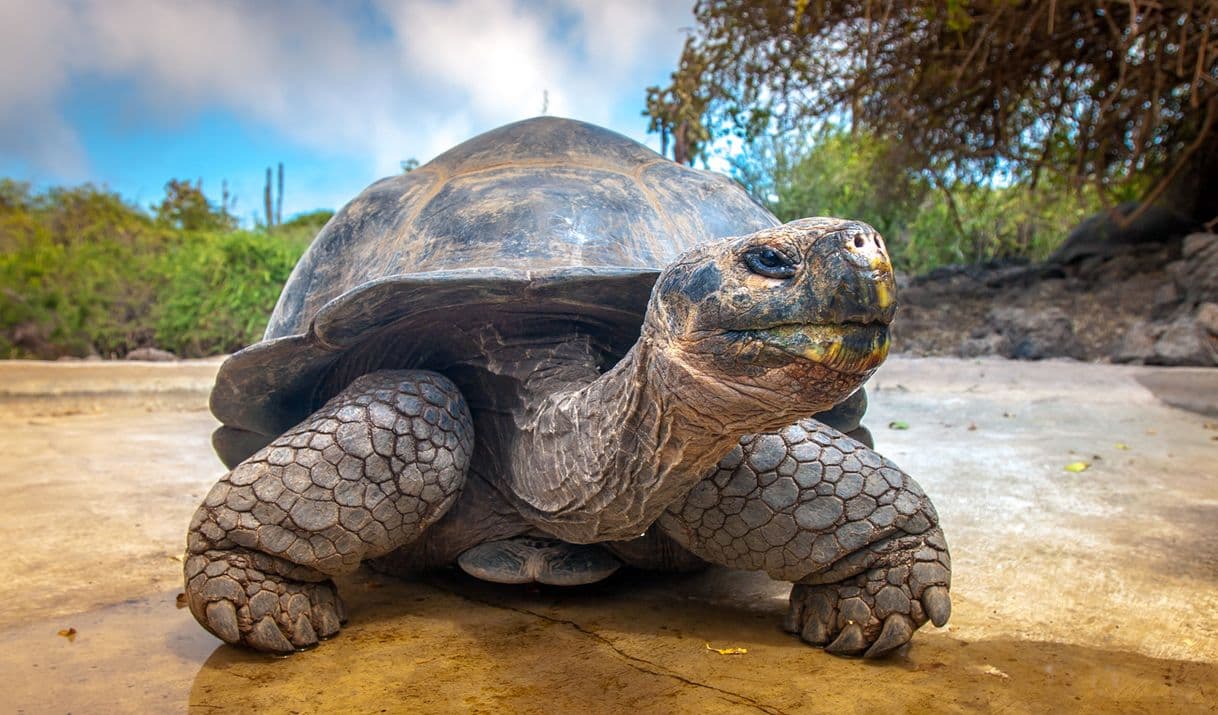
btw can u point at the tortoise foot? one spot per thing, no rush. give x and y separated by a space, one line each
530 559
875 612
238 597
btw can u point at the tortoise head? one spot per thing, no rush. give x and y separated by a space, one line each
795 316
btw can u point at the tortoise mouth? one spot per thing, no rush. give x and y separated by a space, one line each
851 347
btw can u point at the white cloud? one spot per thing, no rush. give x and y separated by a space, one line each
409 80
498 58
33 54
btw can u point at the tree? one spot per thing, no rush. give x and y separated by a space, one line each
1110 93
186 207
676 111
835 173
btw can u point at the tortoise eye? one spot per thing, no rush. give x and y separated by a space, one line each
765 261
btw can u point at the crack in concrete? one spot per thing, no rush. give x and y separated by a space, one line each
630 660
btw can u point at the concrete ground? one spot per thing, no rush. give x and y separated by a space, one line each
1073 591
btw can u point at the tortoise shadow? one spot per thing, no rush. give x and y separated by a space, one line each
447 642
517 640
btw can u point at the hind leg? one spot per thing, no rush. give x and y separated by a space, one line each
362 476
856 536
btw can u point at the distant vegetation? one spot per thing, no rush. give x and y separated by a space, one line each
928 221
83 272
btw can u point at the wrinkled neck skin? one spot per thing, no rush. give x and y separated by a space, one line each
600 459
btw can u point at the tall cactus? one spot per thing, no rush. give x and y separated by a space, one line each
266 200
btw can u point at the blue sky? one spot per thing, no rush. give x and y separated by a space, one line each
131 93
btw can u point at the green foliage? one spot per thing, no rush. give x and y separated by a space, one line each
221 287
311 221
75 272
676 111
928 221
185 207
834 173
82 272
971 223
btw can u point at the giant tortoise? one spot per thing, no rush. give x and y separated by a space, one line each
550 352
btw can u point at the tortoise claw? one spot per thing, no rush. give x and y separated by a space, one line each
849 642
222 619
938 604
245 605
877 611
327 620
303 635
815 632
266 636
897 631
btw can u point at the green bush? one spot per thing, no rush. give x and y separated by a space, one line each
77 271
221 287
82 272
927 220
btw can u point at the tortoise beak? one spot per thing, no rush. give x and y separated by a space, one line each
848 302
855 279
845 347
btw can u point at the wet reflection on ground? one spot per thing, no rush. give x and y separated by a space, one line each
636 642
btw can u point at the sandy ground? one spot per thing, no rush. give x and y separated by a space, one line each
1089 591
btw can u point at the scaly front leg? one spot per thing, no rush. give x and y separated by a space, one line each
362 476
855 534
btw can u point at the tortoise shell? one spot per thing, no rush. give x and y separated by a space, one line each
546 216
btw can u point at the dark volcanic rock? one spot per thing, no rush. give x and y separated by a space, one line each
1179 344
1024 334
1182 328
1189 339
1105 235
1185 342
1138 345
1036 334
989 344
1196 273
1166 301
1141 300
1207 318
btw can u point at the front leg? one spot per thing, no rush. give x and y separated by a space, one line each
855 534
362 476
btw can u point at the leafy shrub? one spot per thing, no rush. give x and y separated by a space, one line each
221 288
82 272
76 271
927 220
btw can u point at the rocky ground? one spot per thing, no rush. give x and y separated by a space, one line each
1153 303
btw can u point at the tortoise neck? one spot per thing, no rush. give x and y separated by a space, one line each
544 369
602 459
